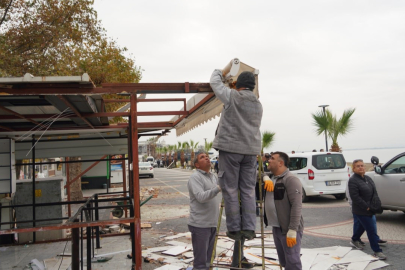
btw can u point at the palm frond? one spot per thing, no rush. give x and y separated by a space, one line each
267 139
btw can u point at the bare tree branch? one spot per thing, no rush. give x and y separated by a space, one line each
5 12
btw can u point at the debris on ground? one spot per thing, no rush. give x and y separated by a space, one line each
179 255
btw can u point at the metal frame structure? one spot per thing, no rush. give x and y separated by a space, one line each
66 92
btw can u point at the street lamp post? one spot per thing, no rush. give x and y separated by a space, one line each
326 137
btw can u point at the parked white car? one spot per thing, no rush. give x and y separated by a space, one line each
389 180
145 169
321 173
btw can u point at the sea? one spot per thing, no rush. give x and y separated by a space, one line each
383 154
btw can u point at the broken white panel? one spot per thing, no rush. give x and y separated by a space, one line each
37 264
358 265
225 244
376 265
258 242
346 259
307 259
177 250
159 249
340 252
323 262
187 261
187 235
177 243
268 253
188 254
169 267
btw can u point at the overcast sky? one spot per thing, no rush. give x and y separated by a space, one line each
346 54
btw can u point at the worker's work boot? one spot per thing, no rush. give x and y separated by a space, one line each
249 235
236 235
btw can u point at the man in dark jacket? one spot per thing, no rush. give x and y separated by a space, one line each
238 140
361 190
283 205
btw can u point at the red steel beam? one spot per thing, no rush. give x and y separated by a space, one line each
135 184
74 110
144 100
69 226
87 115
113 88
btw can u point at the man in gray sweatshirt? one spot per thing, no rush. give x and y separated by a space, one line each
238 140
283 205
204 210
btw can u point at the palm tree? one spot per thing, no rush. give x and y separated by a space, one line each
193 147
333 126
267 139
175 149
207 146
170 149
165 151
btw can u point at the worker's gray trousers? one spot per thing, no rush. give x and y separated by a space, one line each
289 257
238 173
203 244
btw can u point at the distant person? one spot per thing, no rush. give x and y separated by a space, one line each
314 150
292 152
361 190
321 150
203 189
158 163
266 162
283 206
238 140
216 166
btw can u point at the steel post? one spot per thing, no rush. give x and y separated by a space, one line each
96 214
75 248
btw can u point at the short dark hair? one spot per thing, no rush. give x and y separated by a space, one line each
267 155
283 156
196 156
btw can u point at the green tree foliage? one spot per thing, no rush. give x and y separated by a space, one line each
207 146
334 127
61 38
267 139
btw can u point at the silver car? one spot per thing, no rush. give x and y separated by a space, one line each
389 180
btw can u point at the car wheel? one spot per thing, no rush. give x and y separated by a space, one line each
151 176
340 196
305 198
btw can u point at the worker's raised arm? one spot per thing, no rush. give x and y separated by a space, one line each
222 92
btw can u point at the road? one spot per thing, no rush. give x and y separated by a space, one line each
328 222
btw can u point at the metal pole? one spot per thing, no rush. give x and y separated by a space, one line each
68 187
97 227
34 235
326 137
135 180
75 248
88 240
124 181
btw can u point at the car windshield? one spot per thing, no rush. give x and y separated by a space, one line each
144 164
328 162
297 163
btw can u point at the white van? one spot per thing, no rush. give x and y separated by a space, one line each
151 160
320 173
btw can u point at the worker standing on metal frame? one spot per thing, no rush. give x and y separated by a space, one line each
238 141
